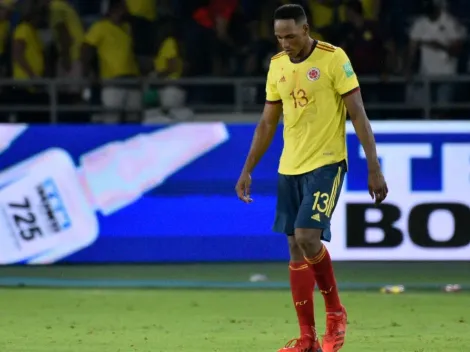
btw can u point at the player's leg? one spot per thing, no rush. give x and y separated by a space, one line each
321 189
302 280
302 283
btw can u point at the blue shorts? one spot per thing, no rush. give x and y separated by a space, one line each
307 201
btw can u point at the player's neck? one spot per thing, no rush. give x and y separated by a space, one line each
305 52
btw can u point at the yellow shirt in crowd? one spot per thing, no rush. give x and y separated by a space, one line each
323 15
143 8
63 12
168 51
34 50
114 44
5 28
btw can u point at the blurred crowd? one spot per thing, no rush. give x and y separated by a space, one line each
171 39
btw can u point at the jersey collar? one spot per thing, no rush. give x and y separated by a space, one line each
314 45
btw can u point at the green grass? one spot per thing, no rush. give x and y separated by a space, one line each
48 320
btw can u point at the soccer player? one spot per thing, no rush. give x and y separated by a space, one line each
314 85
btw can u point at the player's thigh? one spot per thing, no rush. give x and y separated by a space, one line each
320 192
289 198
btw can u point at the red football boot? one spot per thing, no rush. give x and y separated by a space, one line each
305 343
335 331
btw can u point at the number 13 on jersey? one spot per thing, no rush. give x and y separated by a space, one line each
300 97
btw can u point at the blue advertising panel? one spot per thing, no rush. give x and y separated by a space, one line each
99 194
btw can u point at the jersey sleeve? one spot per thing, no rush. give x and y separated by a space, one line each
272 94
93 36
343 75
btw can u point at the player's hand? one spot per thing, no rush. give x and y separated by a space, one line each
378 189
243 187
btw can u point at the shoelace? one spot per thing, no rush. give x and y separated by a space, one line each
292 343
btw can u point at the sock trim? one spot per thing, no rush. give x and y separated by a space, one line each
297 268
318 258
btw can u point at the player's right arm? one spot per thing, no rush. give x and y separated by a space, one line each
262 138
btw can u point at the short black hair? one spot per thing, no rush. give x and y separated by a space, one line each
290 12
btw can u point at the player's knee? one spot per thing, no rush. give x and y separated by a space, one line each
309 240
296 254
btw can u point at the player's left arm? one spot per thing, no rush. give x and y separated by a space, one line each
360 121
347 85
377 186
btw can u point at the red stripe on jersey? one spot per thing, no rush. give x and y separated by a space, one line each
331 50
352 91
278 56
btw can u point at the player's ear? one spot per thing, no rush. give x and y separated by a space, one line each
306 29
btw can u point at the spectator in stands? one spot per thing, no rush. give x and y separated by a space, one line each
143 22
208 44
368 48
327 16
371 9
168 62
68 32
28 59
111 39
326 13
439 38
6 7
264 44
28 49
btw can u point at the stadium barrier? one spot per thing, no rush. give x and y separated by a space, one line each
246 94
157 194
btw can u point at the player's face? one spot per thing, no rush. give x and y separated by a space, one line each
291 36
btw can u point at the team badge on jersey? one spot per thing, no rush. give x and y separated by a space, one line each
313 74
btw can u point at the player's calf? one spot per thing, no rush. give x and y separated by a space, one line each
322 267
302 283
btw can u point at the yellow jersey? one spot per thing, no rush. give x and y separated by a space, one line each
5 28
61 12
115 48
143 8
168 51
34 51
311 93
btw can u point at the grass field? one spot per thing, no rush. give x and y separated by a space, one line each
205 320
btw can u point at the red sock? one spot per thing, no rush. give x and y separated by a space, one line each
302 283
325 278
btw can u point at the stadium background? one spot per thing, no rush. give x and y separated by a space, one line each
140 168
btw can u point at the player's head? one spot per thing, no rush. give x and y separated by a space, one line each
291 28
